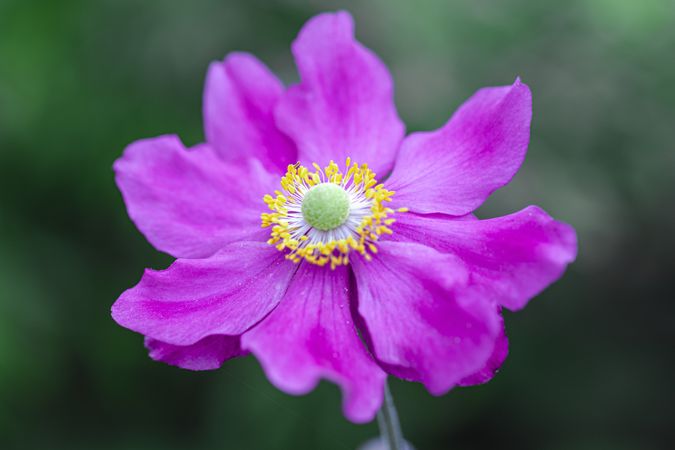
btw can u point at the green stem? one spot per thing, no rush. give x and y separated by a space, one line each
387 419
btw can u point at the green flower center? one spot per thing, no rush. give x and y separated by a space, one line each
325 206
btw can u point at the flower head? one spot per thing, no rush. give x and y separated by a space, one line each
299 190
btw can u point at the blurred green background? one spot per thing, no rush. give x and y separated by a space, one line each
592 359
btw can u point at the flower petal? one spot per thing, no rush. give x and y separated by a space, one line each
194 298
311 335
239 100
189 203
493 364
207 354
454 169
344 103
510 259
416 325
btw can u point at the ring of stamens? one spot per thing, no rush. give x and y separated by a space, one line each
367 220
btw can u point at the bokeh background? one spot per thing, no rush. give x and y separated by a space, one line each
592 359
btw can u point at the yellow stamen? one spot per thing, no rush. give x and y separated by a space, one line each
286 231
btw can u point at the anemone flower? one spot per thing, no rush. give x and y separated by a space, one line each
310 232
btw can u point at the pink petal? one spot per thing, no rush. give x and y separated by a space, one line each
226 293
510 259
497 358
207 354
189 203
344 104
239 99
454 169
415 323
311 335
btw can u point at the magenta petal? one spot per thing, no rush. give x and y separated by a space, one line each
189 203
207 354
497 358
239 100
311 335
194 298
344 103
416 325
510 259
454 169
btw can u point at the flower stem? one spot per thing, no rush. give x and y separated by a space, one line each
387 419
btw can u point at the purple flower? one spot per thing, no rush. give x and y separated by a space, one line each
349 278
